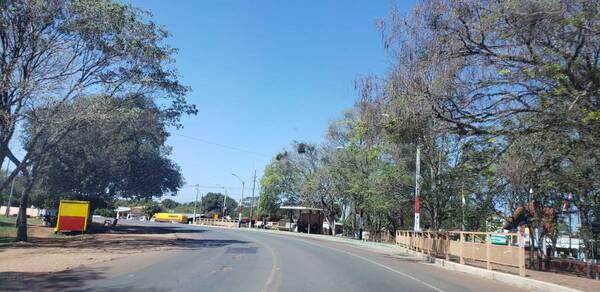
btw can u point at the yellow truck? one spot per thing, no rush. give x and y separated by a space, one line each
170 217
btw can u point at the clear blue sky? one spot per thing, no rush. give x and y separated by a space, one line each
264 73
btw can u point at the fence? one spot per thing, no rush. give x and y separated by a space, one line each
382 236
31 212
588 269
492 248
217 222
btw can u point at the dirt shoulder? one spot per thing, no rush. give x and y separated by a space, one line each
49 253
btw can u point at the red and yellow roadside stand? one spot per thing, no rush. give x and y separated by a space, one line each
72 216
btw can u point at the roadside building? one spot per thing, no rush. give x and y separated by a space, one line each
305 219
130 213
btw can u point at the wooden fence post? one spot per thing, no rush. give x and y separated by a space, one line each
426 243
462 240
488 251
447 246
521 255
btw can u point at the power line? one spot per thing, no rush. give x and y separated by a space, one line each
222 145
211 187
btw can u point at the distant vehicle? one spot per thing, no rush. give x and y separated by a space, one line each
170 217
49 220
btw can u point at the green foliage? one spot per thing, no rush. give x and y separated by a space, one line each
213 203
151 208
110 213
278 186
80 50
494 108
169 204
121 154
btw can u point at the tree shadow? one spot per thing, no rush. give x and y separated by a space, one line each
143 229
72 280
126 239
59 281
129 245
7 224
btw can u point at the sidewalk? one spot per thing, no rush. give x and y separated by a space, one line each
579 283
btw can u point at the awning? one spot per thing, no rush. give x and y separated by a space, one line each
123 209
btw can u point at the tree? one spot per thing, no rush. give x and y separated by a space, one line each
507 71
503 62
213 203
169 204
500 97
278 186
121 155
52 53
151 208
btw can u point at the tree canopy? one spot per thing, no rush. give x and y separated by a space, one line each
500 97
213 203
56 55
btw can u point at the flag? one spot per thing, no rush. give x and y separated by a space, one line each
417 205
464 201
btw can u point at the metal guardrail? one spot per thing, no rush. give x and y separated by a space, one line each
509 249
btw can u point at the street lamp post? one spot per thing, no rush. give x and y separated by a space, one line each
241 199
252 201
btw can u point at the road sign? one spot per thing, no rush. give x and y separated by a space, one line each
499 239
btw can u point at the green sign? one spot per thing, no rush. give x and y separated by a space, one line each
499 239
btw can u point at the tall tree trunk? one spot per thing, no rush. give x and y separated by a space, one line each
22 216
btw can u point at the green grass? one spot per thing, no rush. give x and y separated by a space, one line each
7 223
7 229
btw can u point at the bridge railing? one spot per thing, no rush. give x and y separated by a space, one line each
217 222
491 248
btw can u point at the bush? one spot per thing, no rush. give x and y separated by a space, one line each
105 212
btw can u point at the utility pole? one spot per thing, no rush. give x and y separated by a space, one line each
224 201
252 201
464 205
417 198
241 200
570 234
241 206
196 203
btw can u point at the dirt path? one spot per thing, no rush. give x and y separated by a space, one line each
54 263
50 253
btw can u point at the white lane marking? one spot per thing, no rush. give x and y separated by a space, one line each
374 263
269 284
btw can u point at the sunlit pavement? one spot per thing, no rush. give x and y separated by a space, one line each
238 260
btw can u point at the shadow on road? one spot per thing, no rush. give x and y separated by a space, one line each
60 281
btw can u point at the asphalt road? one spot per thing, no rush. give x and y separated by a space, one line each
236 260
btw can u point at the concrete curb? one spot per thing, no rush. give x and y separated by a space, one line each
514 280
